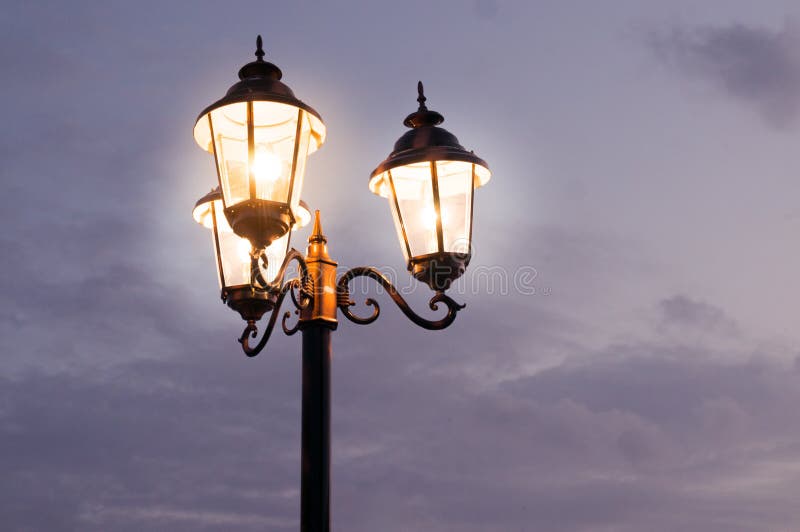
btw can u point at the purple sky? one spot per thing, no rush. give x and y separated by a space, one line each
645 159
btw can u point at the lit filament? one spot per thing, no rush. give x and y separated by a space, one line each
429 220
428 216
266 165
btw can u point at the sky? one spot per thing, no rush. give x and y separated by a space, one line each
631 364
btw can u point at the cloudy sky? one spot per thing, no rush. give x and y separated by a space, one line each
646 163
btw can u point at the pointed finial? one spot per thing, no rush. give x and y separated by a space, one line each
259 50
259 68
422 116
316 233
421 98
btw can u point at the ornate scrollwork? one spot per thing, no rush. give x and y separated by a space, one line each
289 331
259 263
300 289
345 302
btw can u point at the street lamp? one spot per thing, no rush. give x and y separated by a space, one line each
260 135
429 179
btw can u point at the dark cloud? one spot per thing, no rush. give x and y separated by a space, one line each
683 312
617 439
759 66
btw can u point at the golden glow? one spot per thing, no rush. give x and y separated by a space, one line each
302 216
379 184
243 250
202 215
428 217
266 165
233 252
415 208
413 186
232 118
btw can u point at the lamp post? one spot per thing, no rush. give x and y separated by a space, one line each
260 135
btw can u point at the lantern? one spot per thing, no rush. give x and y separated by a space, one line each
233 255
429 180
260 135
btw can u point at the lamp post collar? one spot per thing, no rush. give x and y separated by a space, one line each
322 273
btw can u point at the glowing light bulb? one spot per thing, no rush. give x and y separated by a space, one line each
428 217
266 165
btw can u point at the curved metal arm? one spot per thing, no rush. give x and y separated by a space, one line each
303 285
252 329
257 278
363 271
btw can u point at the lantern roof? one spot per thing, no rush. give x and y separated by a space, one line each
213 195
260 80
425 141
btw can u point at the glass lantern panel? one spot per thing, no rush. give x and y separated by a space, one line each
317 132
274 132
233 253
398 224
274 128
303 143
412 184
276 252
232 157
482 175
202 214
229 126
455 200
379 184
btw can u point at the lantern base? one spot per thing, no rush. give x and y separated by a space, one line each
260 221
249 303
439 270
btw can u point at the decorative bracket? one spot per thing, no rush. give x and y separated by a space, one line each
345 302
301 291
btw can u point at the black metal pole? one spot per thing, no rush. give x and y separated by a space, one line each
316 430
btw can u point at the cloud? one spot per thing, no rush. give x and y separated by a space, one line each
695 322
683 310
486 8
648 435
758 66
